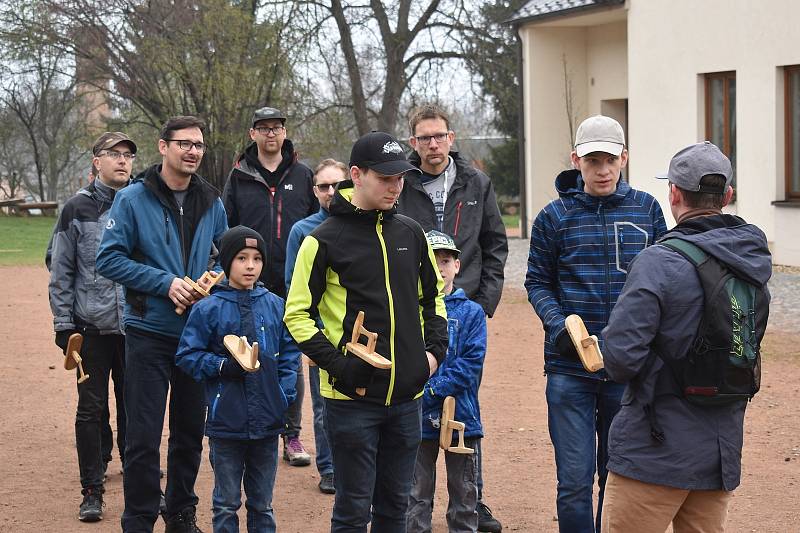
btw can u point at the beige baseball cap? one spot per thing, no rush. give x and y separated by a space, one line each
110 139
599 134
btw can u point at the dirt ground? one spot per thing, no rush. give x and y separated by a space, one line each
39 488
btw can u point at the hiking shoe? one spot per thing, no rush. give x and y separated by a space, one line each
92 506
326 485
183 522
295 452
486 522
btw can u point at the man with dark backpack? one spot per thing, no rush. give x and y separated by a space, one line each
685 338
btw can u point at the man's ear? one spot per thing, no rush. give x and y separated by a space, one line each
675 195
355 175
412 141
162 147
624 157
575 160
728 196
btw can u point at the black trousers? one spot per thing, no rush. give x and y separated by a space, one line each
150 373
103 357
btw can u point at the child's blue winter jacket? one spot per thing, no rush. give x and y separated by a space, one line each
253 407
459 372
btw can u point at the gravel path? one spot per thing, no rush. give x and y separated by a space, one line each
784 286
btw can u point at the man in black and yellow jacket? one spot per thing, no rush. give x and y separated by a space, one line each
366 257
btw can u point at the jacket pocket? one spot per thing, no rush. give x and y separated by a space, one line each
629 240
137 301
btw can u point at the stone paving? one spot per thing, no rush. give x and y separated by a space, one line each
784 286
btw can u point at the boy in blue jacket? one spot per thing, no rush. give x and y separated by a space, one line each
457 376
246 411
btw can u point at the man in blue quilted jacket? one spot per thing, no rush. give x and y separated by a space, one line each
581 246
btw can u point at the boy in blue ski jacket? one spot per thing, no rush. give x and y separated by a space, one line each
246 410
457 376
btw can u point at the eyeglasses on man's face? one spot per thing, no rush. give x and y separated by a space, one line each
426 139
325 187
116 155
187 145
264 130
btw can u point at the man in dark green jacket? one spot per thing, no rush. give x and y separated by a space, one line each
365 257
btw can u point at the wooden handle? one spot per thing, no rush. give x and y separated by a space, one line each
254 355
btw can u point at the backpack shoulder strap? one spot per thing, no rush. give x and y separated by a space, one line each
687 249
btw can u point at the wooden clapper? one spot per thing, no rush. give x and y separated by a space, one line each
72 358
366 352
240 349
586 345
202 285
447 425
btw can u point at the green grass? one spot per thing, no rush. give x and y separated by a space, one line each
23 240
511 221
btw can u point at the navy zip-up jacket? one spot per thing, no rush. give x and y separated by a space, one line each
149 241
581 247
253 407
659 312
460 371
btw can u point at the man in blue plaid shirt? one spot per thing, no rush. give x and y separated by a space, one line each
581 246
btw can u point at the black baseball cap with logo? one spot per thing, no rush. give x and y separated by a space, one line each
382 153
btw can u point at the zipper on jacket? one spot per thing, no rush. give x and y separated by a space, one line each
166 226
278 223
379 231
602 213
183 243
458 218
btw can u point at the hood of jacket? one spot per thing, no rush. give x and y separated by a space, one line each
569 184
250 155
732 241
342 205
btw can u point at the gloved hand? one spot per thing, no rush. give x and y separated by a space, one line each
62 339
231 369
356 372
566 348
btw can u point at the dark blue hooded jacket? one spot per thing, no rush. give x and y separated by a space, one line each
252 407
459 373
581 247
659 311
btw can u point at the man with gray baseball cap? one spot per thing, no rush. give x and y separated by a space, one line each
670 458
582 244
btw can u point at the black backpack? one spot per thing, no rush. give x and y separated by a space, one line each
724 362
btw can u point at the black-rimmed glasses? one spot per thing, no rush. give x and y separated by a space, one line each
426 139
264 130
187 145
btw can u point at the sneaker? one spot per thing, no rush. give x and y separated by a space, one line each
326 485
92 506
486 522
295 452
183 522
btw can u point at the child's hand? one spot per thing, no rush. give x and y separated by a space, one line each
231 369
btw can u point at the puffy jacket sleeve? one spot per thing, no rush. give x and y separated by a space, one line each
62 261
114 255
463 367
308 286
541 280
635 319
431 302
494 252
194 356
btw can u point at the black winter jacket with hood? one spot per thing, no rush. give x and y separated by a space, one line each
251 201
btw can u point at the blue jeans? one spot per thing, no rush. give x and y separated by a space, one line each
253 462
324 458
374 450
578 409
150 372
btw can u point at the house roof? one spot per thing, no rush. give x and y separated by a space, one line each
538 9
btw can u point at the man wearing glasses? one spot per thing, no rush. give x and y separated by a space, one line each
269 190
455 198
91 305
164 226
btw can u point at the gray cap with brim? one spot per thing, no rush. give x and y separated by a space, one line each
696 161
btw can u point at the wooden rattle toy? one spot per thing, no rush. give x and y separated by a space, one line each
447 425
586 345
245 355
202 285
72 358
366 353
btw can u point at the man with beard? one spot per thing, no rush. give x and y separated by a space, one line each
269 190
165 225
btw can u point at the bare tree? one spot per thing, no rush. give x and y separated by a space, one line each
14 155
381 47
